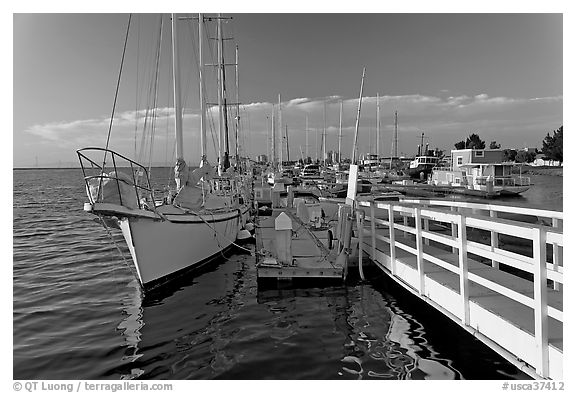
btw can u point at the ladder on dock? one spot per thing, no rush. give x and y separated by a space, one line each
496 270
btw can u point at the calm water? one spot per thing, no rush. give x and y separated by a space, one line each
79 314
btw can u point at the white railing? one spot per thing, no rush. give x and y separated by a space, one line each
463 215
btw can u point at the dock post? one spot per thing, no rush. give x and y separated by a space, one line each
405 222
419 256
290 197
454 226
283 227
360 227
556 254
275 193
494 239
463 265
346 238
373 227
392 237
427 229
341 228
540 302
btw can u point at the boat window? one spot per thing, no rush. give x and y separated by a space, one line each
459 160
479 153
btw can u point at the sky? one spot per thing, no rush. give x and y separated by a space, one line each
446 74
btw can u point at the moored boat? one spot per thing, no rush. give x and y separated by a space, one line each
483 171
191 225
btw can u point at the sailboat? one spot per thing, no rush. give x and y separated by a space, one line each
189 227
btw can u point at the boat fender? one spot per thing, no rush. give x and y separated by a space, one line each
330 239
243 234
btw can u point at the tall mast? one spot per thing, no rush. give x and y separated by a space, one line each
287 145
280 129
307 155
220 88
316 145
395 141
201 82
237 112
355 143
269 142
394 151
177 103
340 136
324 136
224 103
378 126
273 140
422 152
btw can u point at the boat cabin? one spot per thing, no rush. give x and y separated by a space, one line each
479 170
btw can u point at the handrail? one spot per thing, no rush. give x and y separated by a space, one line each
134 168
459 221
489 207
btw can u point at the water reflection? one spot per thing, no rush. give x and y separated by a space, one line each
223 325
130 327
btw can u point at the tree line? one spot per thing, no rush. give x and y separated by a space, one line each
552 147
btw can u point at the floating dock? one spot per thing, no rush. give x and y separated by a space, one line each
294 242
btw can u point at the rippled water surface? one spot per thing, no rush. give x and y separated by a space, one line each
80 314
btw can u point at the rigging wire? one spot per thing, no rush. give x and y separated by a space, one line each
166 161
195 61
155 106
117 88
151 94
211 121
137 76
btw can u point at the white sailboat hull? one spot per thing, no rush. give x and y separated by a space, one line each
162 249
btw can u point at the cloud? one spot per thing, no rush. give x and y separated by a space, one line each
445 120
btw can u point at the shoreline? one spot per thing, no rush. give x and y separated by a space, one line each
545 170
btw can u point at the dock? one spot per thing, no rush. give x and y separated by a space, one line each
474 263
495 270
294 242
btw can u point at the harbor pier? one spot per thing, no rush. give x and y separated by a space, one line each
495 270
